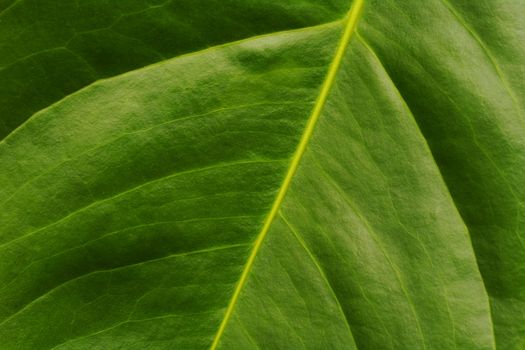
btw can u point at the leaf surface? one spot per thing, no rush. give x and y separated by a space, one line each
50 50
461 71
314 185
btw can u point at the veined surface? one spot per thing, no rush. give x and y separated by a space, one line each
297 189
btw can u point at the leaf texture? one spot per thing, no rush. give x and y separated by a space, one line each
315 184
461 72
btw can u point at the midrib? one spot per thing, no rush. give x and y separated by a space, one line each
350 25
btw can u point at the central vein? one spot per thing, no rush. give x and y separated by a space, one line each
350 25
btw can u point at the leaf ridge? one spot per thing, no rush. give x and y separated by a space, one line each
367 45
139 131
117 232
319 268
351 23
118 268
387 257
128 321
152 66
133 189
487 52
10 6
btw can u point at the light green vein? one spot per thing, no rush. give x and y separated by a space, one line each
140 131
319 269
117 232
129 321
351 23
171 256
377 240
487 52
41 112
118 195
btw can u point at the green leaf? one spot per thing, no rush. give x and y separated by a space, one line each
51 49
461 71
315 184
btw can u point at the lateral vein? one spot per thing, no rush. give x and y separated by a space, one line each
351 23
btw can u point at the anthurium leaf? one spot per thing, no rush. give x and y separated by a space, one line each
283 191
